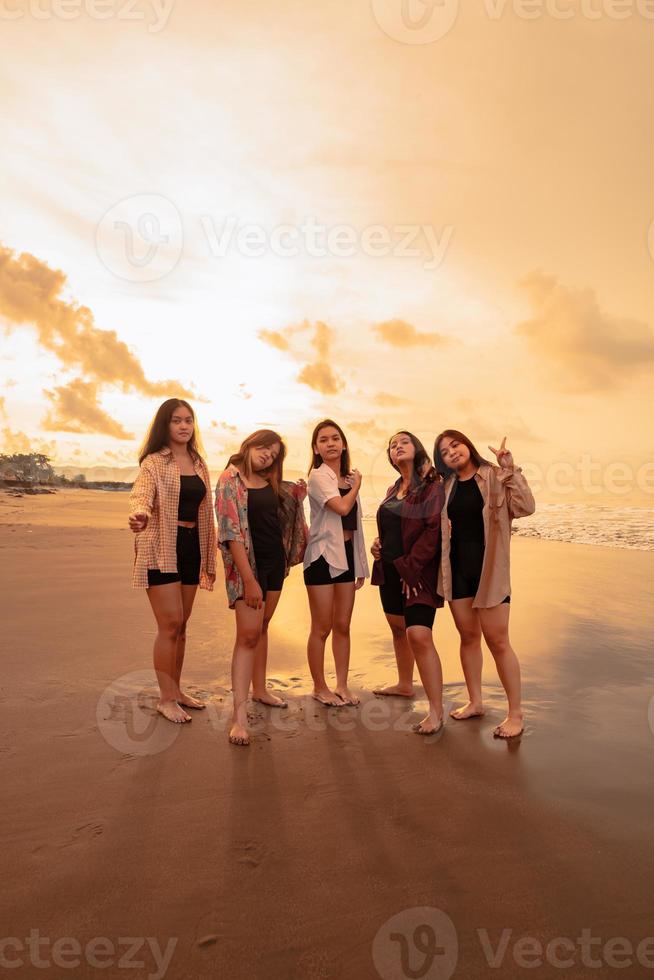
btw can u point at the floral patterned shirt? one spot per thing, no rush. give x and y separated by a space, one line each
232 516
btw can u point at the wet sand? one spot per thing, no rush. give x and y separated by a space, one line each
315 852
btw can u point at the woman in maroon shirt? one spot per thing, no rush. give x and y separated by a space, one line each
407 557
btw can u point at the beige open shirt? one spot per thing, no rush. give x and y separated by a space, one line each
506 495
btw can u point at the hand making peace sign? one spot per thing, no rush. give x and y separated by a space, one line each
503 455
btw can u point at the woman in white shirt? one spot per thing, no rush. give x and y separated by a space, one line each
335 561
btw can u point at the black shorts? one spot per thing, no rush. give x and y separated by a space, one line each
318 571
394 602
188 561
271 572
466 562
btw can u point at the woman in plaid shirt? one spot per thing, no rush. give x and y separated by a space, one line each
262 533
175 545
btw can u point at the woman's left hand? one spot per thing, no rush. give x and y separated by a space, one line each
359 582
407 590
503 456
301 489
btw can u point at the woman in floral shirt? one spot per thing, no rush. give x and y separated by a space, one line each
261 533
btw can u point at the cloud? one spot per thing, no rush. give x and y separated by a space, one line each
3 410
31 294
314 351
75 408
319 374
320 377
590 349
387 400
15 442
368 430
398 333
275 338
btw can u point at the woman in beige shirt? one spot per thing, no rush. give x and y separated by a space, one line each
481 500
175 544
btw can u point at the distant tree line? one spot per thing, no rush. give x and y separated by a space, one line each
32 468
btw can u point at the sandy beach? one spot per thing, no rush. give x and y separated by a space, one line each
340 844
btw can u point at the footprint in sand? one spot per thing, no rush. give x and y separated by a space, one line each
250 851
82 834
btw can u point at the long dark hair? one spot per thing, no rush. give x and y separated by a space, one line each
262 437
420 457
316 458
159 432
475 455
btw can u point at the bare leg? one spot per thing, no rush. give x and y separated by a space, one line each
166 602
404 659
321 603
495 626
467 623
188 597
421 642
248 633
343 605
259 690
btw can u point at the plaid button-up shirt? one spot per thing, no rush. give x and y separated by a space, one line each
156 493
233 525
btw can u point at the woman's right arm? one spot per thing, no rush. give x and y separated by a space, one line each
231 534
252 593
141 498
342 505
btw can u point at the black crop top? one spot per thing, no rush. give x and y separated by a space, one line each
191 494
349 520
465 511
390 529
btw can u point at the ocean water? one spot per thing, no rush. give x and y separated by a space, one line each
578 523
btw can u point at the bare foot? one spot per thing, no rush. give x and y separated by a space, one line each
327 697
238 735
511 727
470 710
267 698
346 696
190 702
172 711
395 690
429 725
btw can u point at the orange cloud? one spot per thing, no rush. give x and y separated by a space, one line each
76 409
387 400
590 349
30 294
399 333
275 338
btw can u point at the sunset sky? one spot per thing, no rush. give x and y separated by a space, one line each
512 156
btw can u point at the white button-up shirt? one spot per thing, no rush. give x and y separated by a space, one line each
326 530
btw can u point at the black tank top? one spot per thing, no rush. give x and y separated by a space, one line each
349 520
390 528
263 518
191 494
464 510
